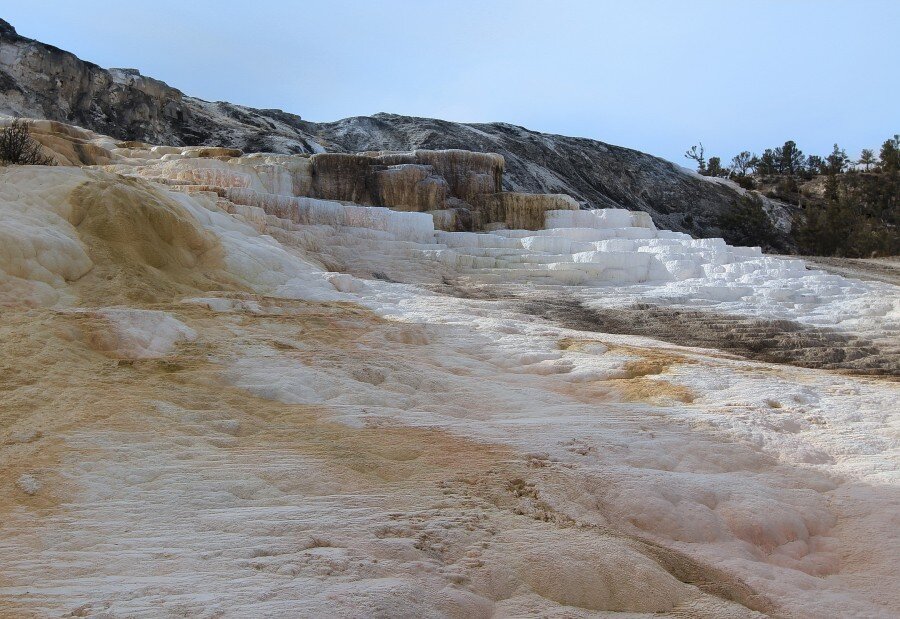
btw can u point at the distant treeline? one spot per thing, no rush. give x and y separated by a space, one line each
849 207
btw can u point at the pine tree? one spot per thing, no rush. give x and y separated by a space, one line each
837 161
789 159
867 157
768 163
696 153
714 167
747 223
743 163
815 164
890 154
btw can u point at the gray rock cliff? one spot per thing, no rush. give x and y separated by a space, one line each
41 81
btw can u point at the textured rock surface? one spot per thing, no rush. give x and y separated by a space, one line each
421 180
434 182
41 81
220 396
521 210
68 145
224 395
411 187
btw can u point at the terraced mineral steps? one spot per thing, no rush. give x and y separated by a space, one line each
221 395
135 108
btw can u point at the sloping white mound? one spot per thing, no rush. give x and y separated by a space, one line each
64 229
220 396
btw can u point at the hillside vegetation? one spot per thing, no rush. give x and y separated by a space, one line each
846 208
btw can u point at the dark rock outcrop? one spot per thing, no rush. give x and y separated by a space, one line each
42 81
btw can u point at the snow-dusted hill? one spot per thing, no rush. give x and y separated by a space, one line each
223 393
41 81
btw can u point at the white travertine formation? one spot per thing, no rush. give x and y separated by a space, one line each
221 395
135 334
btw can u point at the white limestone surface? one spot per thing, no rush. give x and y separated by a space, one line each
259 404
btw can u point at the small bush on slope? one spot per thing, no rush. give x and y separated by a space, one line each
17 147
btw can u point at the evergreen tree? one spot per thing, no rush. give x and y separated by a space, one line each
858 215
836 162
789 159
743 163
890 154
768 163
853 222
696 153
747 223
714 167
831 187
867 158
815 164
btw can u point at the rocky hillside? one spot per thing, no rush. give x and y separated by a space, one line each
41 81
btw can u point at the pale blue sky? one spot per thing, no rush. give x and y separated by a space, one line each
652 75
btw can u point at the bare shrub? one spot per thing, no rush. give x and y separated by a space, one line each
17 147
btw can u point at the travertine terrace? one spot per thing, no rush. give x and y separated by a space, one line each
42 81
241 385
